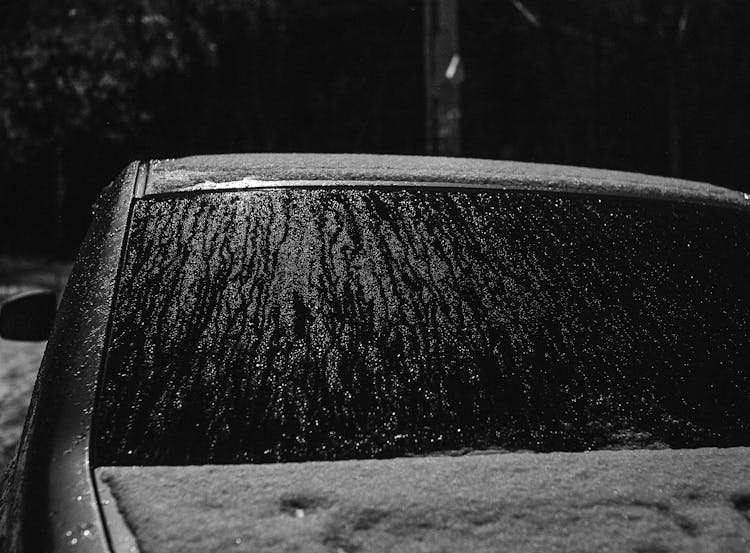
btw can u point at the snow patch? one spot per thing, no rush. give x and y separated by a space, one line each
666 500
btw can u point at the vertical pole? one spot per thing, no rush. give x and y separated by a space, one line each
427 54
673 110
58 205
443 76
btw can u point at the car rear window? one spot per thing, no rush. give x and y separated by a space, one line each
314 324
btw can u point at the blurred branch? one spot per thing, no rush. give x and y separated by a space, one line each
683 23
526 13
565 30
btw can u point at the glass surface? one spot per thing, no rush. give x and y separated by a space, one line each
301 324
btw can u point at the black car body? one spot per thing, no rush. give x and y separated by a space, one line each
56 494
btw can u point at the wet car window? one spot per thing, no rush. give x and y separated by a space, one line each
304 324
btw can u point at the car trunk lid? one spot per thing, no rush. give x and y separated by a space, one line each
641 500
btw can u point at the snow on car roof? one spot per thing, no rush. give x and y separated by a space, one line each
242 171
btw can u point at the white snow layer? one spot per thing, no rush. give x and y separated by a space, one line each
642 501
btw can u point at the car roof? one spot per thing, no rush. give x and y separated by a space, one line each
245 171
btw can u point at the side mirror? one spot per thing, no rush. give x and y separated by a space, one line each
28 316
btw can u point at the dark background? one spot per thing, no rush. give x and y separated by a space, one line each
86 86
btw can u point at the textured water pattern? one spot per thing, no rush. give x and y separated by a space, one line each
282 325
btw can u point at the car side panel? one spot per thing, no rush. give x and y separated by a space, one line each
49 501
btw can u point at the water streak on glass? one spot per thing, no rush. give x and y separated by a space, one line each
284 325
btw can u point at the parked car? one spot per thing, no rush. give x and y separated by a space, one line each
388 353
